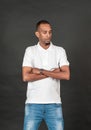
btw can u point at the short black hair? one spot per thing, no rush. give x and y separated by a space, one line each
41 22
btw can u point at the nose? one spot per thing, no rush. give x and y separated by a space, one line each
48 34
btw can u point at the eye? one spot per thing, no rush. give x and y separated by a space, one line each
50 32
44 32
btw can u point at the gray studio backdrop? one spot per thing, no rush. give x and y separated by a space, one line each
71 22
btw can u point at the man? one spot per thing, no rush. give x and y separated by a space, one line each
44 65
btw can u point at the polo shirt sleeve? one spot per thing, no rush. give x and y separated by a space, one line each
27 59
63 58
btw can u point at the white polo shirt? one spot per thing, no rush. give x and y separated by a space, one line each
46 90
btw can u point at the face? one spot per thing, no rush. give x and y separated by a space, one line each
44 33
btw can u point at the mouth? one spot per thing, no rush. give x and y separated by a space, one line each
47 43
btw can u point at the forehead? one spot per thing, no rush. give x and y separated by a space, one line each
45 27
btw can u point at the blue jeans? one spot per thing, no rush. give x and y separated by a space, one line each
51 113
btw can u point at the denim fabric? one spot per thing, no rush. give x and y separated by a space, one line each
51 113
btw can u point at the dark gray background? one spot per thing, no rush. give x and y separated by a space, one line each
71 22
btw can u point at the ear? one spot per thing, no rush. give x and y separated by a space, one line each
37 34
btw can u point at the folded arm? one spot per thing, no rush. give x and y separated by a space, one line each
62 73
33 74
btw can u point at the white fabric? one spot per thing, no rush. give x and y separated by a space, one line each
45 90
